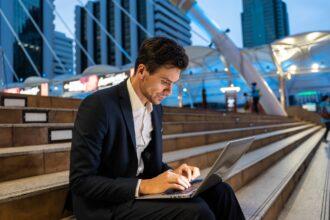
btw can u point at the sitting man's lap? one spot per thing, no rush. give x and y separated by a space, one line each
219 202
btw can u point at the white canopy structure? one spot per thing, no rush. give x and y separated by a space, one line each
100 69
233 55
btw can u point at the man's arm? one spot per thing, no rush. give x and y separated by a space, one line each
166 167
89 131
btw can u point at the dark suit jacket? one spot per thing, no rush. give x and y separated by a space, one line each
103 155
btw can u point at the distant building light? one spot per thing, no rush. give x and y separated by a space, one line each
30 91
307 93
230 89
288 76
293 68
309 107
315 67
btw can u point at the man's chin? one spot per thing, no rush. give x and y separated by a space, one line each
156 101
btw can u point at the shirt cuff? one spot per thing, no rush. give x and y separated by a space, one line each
137 188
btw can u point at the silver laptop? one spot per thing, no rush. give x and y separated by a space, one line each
219 171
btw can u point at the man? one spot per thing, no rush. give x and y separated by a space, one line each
255 93
116 151
324 109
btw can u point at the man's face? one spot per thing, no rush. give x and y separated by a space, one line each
159 85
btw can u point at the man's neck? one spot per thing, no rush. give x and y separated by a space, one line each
136 87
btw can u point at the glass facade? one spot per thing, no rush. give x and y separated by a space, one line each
97 34
29 36
125 31
263 21
83 37
111 29
142 19
172 23
166 20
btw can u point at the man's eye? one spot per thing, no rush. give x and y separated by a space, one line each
165 83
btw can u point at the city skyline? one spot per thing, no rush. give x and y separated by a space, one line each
300 19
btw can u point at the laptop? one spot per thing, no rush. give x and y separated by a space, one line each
219 171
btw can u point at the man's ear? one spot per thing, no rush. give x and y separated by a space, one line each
141 71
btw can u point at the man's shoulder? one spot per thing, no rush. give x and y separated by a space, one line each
108 97
108 94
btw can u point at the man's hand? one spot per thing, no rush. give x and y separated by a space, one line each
189 172
163 182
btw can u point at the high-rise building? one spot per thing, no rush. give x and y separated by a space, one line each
158 17
64 51
263 21
29 36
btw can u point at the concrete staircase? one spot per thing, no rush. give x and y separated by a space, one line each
35 146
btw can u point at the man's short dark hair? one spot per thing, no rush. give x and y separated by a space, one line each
159 52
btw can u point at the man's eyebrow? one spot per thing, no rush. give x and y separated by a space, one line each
166 79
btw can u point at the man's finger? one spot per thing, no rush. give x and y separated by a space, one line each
185 181
175 186
178 179
195 172
188 171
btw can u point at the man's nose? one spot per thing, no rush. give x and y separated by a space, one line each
168 90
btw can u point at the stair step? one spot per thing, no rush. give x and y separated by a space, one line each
17 115
192 139
189 134
42 159
195 126
11 115
57 179
36 133
38 197
17 100
52 188
261 159
41 133
191 152
311 198
168 117
264 197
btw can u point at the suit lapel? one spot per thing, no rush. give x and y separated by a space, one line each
126 108
156 123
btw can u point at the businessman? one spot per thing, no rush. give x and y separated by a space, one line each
116 151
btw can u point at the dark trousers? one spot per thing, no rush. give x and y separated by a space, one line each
255 104
219 202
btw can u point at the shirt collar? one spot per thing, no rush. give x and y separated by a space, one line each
135 100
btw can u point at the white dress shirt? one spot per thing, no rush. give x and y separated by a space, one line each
142 127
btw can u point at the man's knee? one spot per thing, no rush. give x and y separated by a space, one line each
198 210
225 188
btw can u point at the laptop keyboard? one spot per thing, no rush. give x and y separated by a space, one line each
192 188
